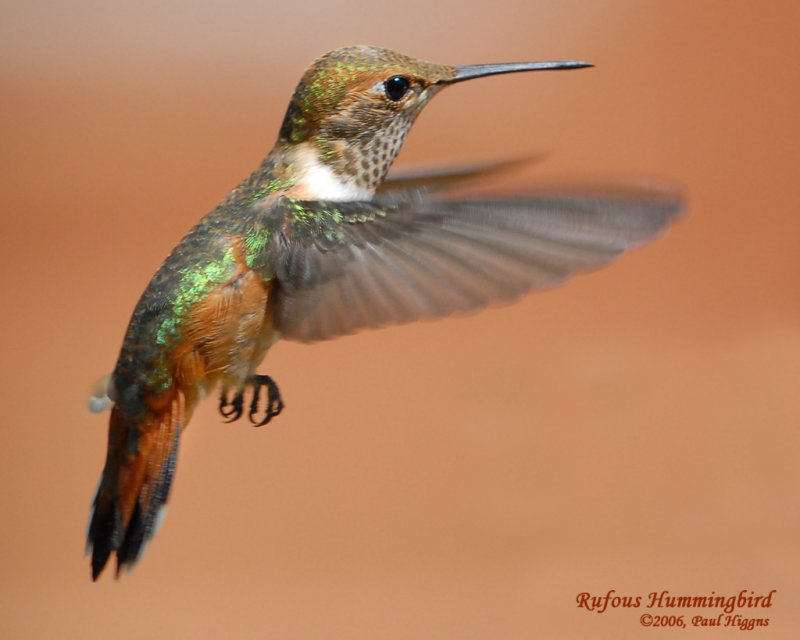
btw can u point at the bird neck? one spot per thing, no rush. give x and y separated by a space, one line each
327 171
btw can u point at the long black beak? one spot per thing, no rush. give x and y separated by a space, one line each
470 71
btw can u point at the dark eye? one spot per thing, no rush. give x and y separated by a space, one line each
396 87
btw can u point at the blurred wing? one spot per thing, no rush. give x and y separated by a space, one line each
342 267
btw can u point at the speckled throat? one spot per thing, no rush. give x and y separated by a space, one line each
362 159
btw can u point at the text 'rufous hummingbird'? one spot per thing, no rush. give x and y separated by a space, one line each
317 244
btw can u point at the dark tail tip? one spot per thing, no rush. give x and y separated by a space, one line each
105 537
99 561
134 486
106 534
103 530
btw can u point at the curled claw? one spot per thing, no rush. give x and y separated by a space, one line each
274 401
232 409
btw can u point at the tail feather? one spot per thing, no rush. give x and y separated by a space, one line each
135 484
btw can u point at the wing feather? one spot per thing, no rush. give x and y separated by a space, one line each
370 264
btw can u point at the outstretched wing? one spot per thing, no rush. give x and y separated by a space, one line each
342 267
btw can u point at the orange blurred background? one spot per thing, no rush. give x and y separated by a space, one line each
636 430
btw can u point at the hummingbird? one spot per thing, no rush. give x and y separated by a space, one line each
316 243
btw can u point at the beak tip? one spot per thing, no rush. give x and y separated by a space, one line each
482 70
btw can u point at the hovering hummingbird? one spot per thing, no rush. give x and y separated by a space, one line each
317 244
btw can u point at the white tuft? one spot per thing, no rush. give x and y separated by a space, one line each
98 404
99 400
318 182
